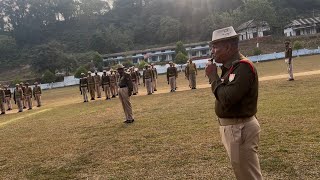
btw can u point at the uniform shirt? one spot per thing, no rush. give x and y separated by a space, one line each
37 90
113 78
134 76
84 82
90 80
147 74
8 93
23 89
125 81
236 92
288 53
154 73
2 95
105 80
191 68
172 71
18 93
28 91
97 79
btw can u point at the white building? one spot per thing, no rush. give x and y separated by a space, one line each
301 27
163 54
252 29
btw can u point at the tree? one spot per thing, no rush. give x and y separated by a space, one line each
128 63
180 48
180 58
48 77
80 70
169 29
142 64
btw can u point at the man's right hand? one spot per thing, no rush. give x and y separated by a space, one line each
212 72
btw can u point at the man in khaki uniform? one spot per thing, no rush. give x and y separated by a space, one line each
2 100
288 56
113 83
8 97
147 79
37 91
91 86
17 96
172 75
97 81
154 77
125 91
191 73
28 96
105 83
236 93
134 78
24 101
83 87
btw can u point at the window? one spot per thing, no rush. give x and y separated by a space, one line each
154 58
163 57
135 61
193 53
204 52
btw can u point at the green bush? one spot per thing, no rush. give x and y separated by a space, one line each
142 64
297 45
257 51
180 58
48 77
80 70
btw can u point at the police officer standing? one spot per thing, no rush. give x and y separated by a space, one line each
97 82
28 95
24 102
8 97
83 86
91 86
154 77
125 91
37 91
288 56
134 78
191 73
18 97
105 83
113 83
236 92
147 79
172 75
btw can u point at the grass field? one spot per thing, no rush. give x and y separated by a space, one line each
175 135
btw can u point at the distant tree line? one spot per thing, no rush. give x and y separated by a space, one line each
61 35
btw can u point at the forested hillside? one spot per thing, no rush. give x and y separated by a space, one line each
61 35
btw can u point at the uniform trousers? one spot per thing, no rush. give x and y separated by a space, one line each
148 84
84 91
29 101
113 88
241 142
98 90
135 87
126 104
192 80
8 102
154 83
38 99
107 91
2 102
289 68
172 82
19 104
92 91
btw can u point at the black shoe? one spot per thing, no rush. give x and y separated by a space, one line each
20 111
155 90
113 96
149 93
30 109
3 113
99 97
291 79
134 94
38 106
24 107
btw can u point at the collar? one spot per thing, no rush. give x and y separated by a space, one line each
235 57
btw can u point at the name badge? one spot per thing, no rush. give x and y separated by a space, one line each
231 77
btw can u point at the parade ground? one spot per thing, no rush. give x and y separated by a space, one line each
174 136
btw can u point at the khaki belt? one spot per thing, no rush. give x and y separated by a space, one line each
234 121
